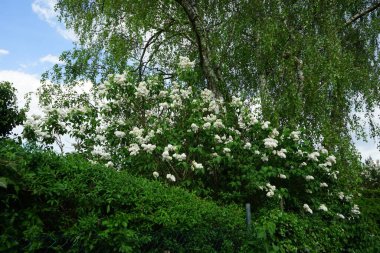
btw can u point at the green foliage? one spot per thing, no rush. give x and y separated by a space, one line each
10 115
370 200
66 204
278 231
193 139
173 133
310 65
370 173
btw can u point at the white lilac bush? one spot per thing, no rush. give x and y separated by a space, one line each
181 135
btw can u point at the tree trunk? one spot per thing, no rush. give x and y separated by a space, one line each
212 77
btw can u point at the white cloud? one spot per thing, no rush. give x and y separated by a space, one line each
45 11
3 52
51 59
67 34
368 150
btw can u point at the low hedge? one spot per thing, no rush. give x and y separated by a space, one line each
66 204
52 203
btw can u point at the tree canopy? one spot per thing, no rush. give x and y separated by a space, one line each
9 114
314 64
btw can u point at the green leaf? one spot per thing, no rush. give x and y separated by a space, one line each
3 182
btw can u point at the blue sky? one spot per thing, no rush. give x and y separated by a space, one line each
31 37
31 40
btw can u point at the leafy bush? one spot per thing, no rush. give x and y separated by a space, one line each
371 174
67 204
189 137
278 231
169 131
10 115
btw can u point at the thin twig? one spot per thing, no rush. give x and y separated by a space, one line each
361 14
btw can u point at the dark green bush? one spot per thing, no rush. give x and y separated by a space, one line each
278 231
66 204
51 203
10 115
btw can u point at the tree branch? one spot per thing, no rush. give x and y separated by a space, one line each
361 14
150 41
203 49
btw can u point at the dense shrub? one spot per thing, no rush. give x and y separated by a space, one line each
183 136
10 115
303 196
278 231
67 204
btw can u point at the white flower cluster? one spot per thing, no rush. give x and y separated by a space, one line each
133 149
180 157
295 135
100 138
185 63
270 190
355 210
194 127
247 145
236 101
36 123
110 164
136 132
177 95
331 159
142 90
99 151
307 208
196 166
119 134
313 156
226 151
166 155
218 123
170 177
120 78
265 125
324 151
207 95
270 143
281 153
323 207
206 125
340 215
149 148
274 133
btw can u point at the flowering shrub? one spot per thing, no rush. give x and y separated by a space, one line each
175 133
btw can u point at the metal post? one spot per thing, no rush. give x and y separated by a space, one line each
248 214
